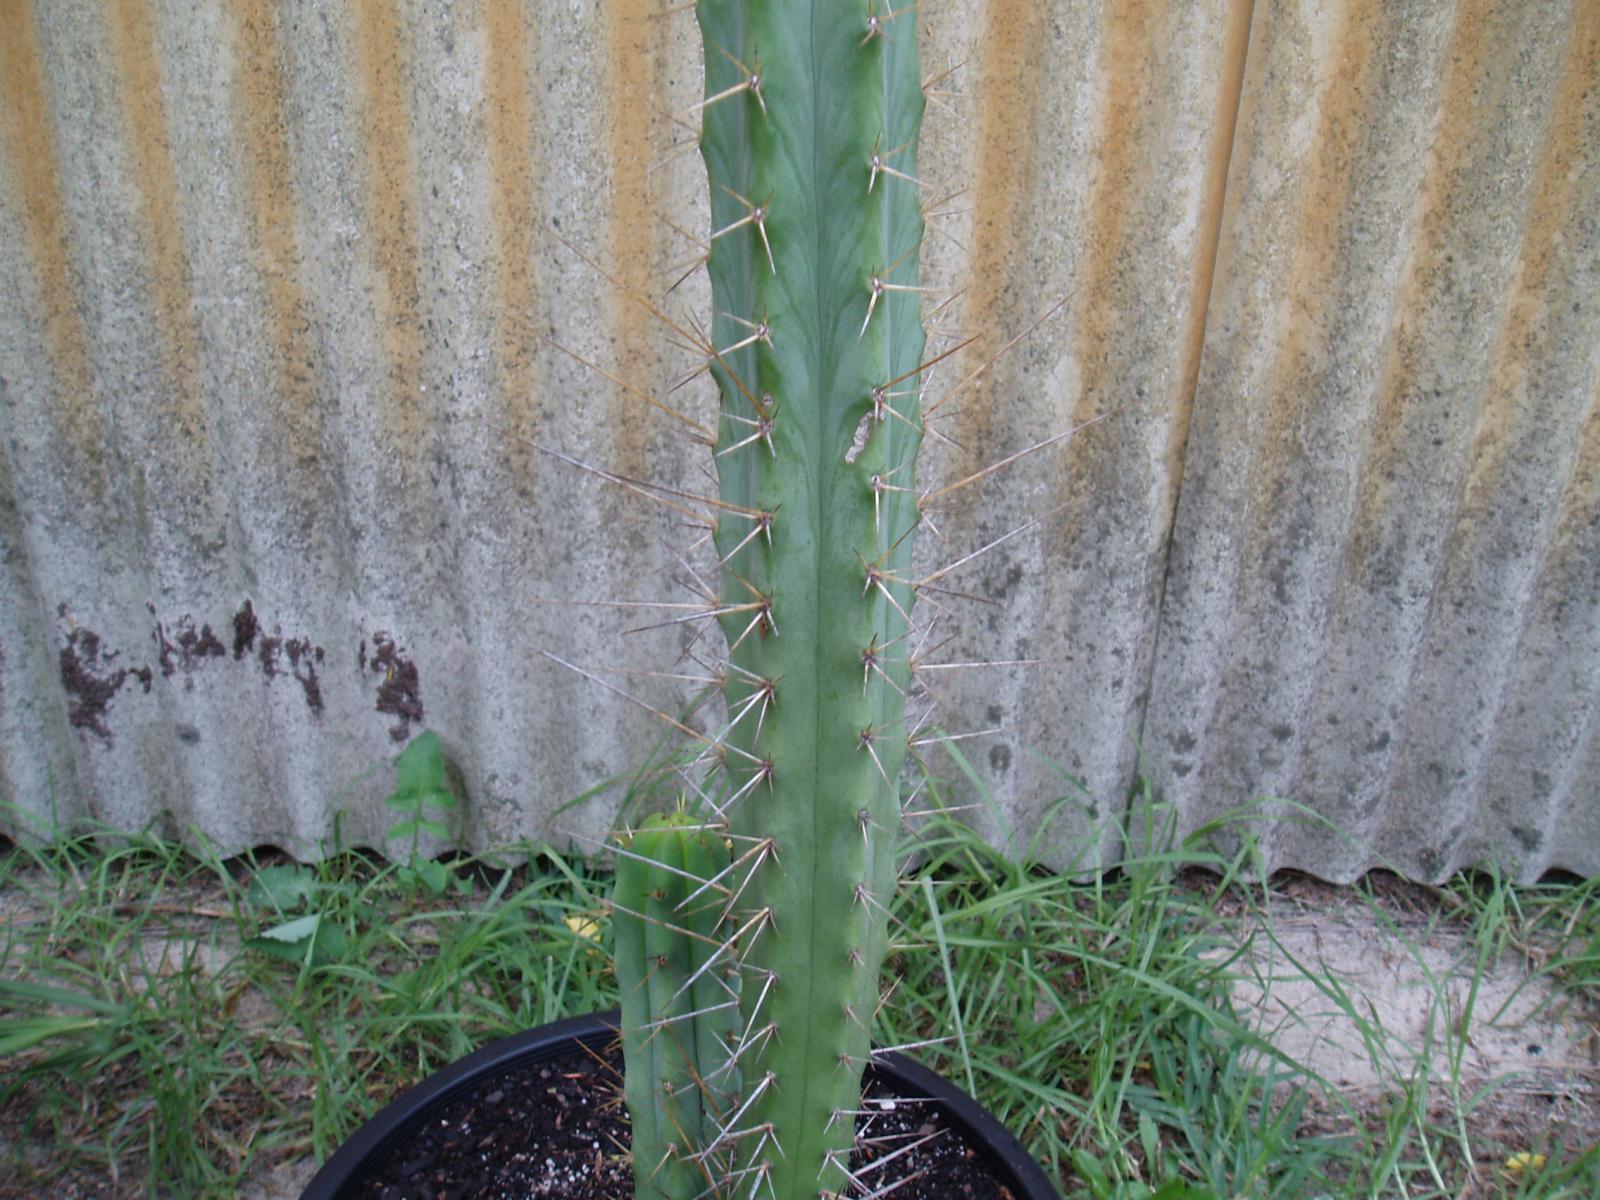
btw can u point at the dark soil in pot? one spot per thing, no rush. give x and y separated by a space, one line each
552 1124
559 1129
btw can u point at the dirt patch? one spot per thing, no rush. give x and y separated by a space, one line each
1363 1005
249 635
185 648
400 693
89 682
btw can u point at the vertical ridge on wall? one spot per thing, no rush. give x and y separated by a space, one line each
1553 763
1110 219
1230 96
298 295
382 55
1113 475
1002 181
1522 786
292 433
1391 437
170 413
1519 473
45 363
155 179
511 72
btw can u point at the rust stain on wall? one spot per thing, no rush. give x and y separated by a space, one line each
1130 32
91 678
1331 160
1009 86
632 29
1560 202
259 112
250 635
183 647
155 176
400 693
391 216
511 209
31 161
1562 195
1428 275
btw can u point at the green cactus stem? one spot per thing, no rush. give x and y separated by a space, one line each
679 1005
810 126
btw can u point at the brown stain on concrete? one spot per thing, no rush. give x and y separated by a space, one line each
391 219
1109 271
1560 202
261 125
1209 245
1128 29
632 29
1009 78
509 119
1455 138
29 147
1324 203
156 178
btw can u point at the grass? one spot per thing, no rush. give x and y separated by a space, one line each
172 1023
154 1034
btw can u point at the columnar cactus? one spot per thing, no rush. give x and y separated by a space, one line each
809 134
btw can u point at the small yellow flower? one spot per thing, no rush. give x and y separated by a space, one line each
585 925
1524 1161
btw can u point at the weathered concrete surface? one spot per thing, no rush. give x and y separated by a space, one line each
1095 146
1384 596
286 280
290 291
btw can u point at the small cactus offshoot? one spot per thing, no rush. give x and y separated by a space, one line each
679 999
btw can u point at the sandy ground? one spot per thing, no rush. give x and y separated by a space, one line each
1377 997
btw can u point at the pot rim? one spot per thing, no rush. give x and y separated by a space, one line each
376 1139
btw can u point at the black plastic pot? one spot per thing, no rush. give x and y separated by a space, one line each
371 1145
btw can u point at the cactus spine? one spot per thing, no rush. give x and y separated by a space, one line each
809 135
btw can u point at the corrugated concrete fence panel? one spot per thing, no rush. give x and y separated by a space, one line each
288 278
1093 153
297 296
1384 560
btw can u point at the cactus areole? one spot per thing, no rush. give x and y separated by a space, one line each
809 134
